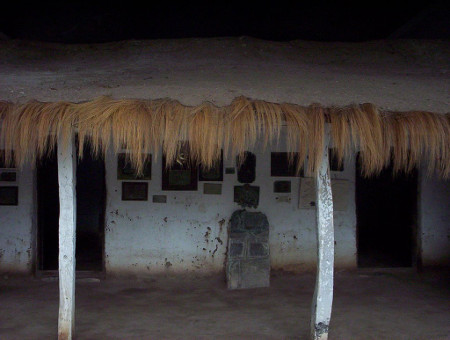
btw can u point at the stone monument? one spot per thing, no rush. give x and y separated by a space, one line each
248 261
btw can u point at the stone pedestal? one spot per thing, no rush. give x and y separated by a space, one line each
248 262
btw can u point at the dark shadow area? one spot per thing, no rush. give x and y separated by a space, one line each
91 193
48 212
386 212
90 22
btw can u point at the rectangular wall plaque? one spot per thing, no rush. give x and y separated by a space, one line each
282 165
159 199
134 191
126 172
282 186
246 167
182 174
212 189
9 195
3 164
283 199
8 176
215 173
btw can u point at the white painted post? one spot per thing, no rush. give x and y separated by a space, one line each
323 294
67 227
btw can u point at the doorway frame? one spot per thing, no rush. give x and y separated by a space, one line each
416 241
37 261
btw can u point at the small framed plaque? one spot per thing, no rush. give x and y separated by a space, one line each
215 173
11 164
281 165
126 172
159 199
9 195
134 191
247 169
182 175
8 176
282 186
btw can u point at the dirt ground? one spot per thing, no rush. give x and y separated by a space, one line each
368 305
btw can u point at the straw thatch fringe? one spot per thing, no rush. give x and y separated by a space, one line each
358 127
405 139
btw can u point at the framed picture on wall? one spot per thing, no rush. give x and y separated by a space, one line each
8 176
246 172
125 171
134 191
214 174
181 174
282 166
11 164
282 187
9 195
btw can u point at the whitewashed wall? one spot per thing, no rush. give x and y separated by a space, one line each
189 232
435 221
17 227
146 237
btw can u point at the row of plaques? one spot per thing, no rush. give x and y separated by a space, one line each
183 175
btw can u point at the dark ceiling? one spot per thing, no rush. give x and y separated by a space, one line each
83 22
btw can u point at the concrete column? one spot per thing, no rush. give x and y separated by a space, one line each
323 294
67 227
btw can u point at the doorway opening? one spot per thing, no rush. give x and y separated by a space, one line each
386 214
91 196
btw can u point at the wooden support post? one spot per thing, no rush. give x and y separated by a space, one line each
323 294
67 227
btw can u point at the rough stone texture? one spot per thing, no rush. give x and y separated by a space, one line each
248 261
396 75
67 228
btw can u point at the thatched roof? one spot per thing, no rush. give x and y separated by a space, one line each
206 75
148 126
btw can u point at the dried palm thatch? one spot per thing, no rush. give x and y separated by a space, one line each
407 139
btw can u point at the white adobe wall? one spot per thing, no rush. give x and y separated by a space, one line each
17 232
139 238
149 240
143 237
435 221
189 232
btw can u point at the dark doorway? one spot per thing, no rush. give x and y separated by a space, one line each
91 193
386 212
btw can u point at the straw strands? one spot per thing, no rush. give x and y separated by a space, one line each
405 139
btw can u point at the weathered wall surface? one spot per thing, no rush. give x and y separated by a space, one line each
189 232
17 232
435 221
